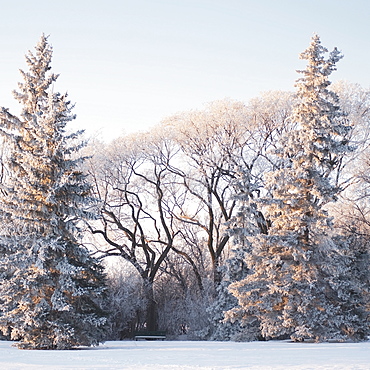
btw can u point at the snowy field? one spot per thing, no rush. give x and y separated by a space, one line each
157 355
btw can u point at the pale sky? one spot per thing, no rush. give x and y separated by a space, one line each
128 64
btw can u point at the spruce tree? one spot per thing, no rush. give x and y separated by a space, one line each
297 285
50 285
229 327
225 325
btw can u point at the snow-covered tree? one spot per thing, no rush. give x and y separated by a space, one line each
245 223
267 117
229 329
50 285
297 282
125 301
137 222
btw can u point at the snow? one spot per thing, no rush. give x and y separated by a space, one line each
187 355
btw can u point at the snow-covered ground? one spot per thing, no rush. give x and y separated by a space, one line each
157 355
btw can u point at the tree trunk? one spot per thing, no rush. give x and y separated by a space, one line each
151 307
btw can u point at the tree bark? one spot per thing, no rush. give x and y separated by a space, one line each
151 307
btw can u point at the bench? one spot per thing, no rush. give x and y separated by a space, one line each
150 335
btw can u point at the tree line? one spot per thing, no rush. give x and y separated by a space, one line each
240 221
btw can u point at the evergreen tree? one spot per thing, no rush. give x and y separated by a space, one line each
230 328
50 285
297 282
246 223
